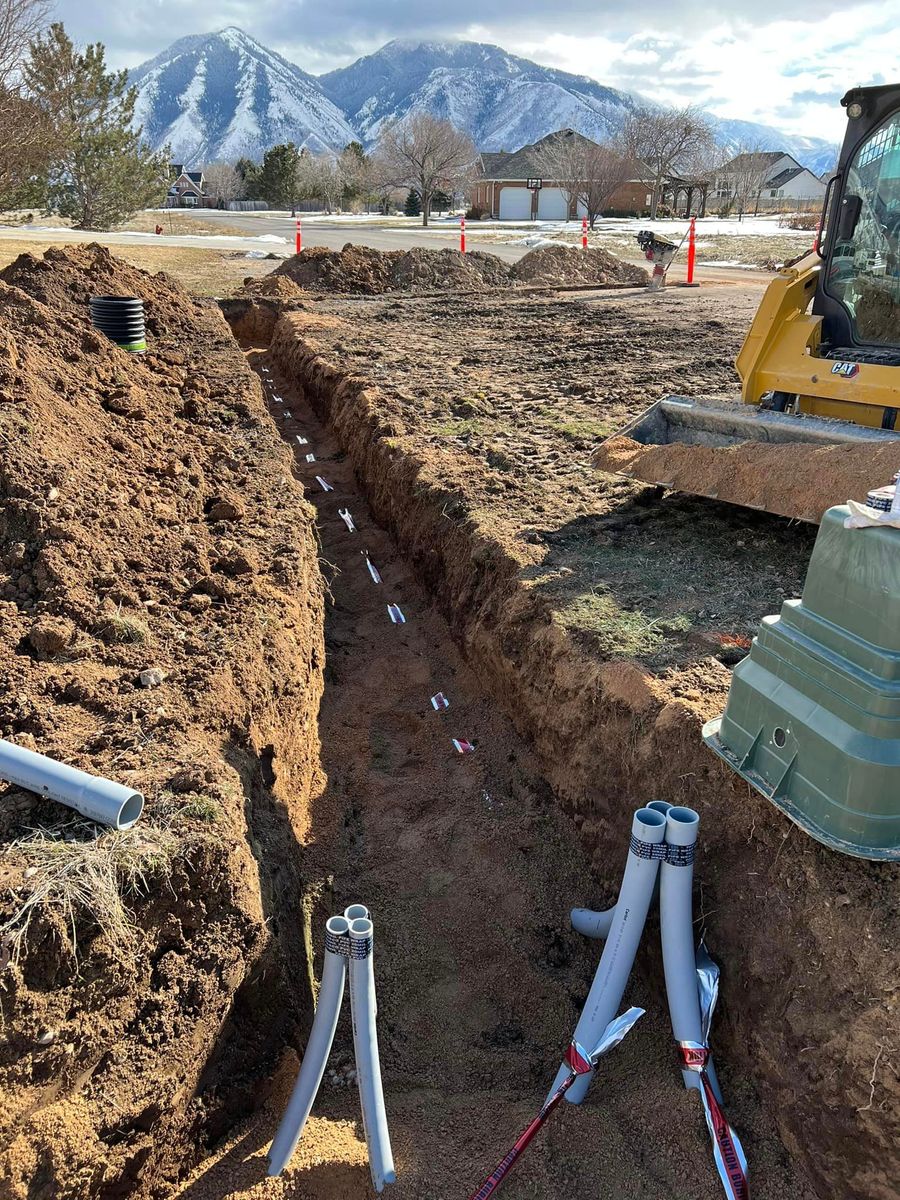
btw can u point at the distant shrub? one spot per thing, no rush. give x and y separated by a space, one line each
476 213
802 221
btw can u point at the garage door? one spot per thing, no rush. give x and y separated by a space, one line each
553 204
515 204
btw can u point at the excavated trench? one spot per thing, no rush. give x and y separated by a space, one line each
470 866
796 926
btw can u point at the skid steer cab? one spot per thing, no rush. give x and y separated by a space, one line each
659 251
821 362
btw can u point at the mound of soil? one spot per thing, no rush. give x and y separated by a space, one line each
277 287
363 270
353 269
570 266
149 525
795 480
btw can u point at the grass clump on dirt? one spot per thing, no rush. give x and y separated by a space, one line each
90 878
123 629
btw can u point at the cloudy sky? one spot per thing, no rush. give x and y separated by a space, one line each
779 61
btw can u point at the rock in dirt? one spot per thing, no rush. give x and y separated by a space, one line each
152 677
51 635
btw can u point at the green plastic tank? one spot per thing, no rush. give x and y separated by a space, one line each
813 714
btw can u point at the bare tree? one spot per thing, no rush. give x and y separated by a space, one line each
429 155
382 182
587 173
26 131
664 140
745 177
222 181
561 158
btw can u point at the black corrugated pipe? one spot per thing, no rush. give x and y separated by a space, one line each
121 318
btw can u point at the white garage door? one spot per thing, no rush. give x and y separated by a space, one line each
515 204
552 204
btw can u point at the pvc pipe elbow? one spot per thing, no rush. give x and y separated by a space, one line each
592 923
318 1047
101 800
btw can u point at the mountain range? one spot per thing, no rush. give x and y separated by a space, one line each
218 96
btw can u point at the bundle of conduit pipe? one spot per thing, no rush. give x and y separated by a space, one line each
663 841
348 951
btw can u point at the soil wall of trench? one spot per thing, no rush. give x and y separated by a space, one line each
806 938
149 520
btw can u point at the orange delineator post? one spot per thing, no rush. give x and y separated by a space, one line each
584 233
692 251
462 235
299 236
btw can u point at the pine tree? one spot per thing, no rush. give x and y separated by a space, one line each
277 179
413 205
101 170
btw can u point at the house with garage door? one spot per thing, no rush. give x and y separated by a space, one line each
518 186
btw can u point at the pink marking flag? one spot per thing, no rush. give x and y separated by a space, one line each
439 702
463 746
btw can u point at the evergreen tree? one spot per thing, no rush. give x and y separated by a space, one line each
277 179
248 172
101 172
441 202
413 205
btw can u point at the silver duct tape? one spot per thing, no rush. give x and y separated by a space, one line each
679 856
360 947
337 943
649 850
708 987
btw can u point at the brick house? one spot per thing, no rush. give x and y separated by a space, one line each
186 189
502 191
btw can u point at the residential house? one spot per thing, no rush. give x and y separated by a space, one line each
513 187
782 182
187 189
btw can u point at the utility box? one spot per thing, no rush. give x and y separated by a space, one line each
813 715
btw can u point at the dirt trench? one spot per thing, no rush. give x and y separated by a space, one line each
470 868
798 927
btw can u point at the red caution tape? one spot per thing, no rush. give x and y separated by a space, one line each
727 1149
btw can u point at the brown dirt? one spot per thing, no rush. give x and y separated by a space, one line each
570 265
470 869
137 530
471 425
793 480
360 269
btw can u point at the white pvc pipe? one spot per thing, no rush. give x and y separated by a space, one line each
595 923
641 868
328 1008
365 1045
676 925
356 912
591 922
98 799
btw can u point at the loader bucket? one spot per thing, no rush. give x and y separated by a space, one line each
813 715
795 466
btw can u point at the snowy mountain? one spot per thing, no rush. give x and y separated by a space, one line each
502 101
222 95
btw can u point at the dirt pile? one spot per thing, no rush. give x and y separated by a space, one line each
795 480
570 266
362 270
149 522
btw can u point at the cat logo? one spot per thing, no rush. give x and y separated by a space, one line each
847 370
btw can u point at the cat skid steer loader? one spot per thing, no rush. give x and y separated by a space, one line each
820 366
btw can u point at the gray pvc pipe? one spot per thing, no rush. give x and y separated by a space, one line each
595 923
331 993
676 921
641 868
365 1045
98 799
356 912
